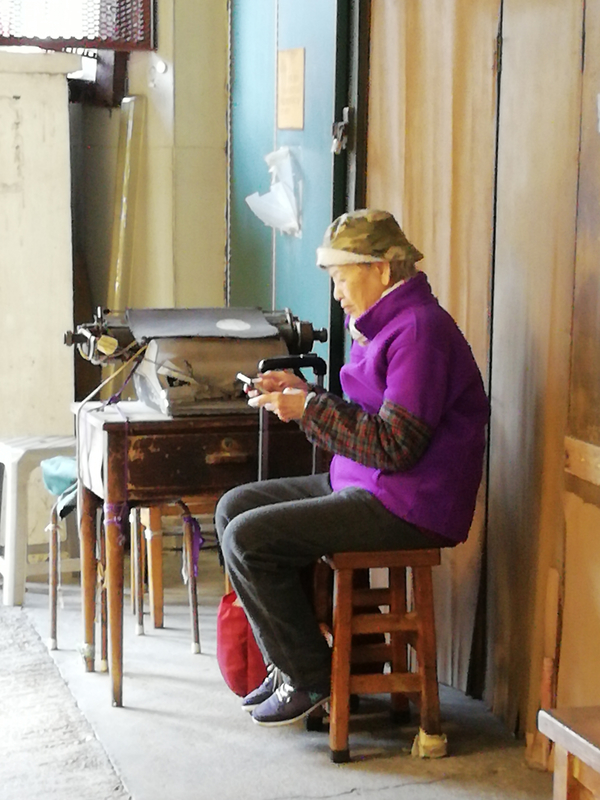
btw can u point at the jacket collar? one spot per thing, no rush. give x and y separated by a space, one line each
416 291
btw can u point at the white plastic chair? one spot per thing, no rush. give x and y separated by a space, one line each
19 457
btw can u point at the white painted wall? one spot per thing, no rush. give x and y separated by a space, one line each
36 294
180 233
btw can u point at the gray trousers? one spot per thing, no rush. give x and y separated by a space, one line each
269 531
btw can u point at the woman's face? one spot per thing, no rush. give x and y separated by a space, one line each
359 286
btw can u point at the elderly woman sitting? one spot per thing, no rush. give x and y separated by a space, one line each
408 452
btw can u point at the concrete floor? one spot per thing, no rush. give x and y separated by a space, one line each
181 733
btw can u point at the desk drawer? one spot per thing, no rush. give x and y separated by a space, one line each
190 463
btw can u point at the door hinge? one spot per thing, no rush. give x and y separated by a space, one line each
340 132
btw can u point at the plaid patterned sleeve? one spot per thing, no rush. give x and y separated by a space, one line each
392 440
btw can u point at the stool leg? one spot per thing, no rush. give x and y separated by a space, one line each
89 572
340 666
426 651
53 593
137 585
132 558
192 587
400 707
154 551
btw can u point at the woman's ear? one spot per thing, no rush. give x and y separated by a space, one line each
385 272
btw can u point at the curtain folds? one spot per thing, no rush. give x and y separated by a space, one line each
431 162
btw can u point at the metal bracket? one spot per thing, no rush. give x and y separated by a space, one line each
340 132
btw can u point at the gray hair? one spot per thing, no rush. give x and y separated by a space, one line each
402 270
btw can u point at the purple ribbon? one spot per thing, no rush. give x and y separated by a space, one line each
197 540
114 514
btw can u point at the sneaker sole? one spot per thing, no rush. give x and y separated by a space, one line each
278 723
250 707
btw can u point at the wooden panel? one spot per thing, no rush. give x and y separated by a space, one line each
290 453
588 777
582 459
584 412
579 666
535 244
580 650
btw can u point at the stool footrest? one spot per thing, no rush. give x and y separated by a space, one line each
395 682
385 623
371 653
371 597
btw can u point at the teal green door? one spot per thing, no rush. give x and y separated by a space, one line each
269 268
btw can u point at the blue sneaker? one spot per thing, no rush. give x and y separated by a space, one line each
273 681
287 705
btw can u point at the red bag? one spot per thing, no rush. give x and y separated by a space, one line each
240 661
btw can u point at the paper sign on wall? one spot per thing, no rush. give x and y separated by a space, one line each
290 89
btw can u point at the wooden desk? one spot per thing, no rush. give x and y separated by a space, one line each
576 736
131 456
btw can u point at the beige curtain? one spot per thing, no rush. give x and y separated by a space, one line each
431 162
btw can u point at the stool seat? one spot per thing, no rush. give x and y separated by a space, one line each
384 559
357 611
20 455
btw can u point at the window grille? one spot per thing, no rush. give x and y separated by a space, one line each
54 24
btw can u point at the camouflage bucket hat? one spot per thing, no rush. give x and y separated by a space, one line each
365 236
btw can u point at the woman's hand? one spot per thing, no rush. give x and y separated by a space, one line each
278 380
287 405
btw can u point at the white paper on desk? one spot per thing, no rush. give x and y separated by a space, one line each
91 456
278 207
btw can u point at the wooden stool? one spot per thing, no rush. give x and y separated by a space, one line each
356 612
576 736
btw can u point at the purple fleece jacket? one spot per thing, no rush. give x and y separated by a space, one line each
418 358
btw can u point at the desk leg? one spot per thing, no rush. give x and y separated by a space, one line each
192 586
116 527
89 570
115 532
103 605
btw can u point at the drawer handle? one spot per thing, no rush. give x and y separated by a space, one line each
228 454
227 457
